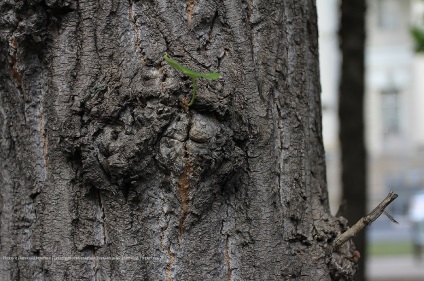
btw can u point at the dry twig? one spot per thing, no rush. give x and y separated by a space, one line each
364 221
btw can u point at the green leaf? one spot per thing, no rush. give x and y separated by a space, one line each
189 72
192 74
212 76
418 36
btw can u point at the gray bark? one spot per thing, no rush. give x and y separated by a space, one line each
100 159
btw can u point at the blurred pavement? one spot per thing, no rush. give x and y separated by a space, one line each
392 268
395 268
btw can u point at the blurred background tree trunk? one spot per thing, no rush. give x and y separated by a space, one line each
100 159
351 113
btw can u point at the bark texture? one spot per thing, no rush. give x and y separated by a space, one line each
100 159
351 113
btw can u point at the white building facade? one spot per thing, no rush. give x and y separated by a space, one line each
394 98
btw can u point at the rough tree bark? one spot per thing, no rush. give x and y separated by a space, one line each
351 113
100 159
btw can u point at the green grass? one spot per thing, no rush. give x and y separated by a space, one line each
390 248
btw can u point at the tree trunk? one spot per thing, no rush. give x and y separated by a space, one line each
351 113
105 175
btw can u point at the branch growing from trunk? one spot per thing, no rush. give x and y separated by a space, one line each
364 221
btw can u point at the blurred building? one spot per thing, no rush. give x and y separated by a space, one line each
329 55
394 112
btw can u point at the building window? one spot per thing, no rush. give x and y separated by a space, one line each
388 14
390 111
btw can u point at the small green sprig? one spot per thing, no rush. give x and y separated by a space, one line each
192 74
418 36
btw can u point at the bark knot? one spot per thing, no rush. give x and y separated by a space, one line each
183 187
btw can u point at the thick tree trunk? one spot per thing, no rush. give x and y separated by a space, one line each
351 113
100 159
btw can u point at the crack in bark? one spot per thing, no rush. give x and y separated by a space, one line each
249 24
102 210
136 31
13 65
184 183
78 53
13 51
170 255
208 41
162 232
190 9
183 186
44 137
170 264
227 259
279 139
95 266
251 40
